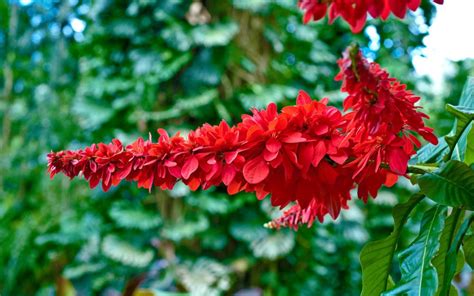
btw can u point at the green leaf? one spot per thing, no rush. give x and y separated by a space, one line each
452 185
215 35
254 5
418 276
274 245
121 251
469 156
262 95
467 96
447 236
204 277
92 114
172 67
181 106
133 216
468 248
246 231
457 139
153 292
376 257
73 272
451 259
185 229
431 153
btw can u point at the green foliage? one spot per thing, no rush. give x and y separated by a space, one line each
205 277
452 184
468 248
459 140
214 35
452 256
418 275
142 65
273 246
121 251
469 157
451 227
376 257
133 216
464 117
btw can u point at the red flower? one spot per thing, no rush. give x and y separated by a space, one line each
355 11
309 155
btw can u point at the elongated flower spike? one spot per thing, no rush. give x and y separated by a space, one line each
309 155
355 12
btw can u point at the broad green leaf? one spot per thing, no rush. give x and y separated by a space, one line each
467 96
452 185
451 260
468 247
447 236
376 257
469 157
457 139
418 276
431 153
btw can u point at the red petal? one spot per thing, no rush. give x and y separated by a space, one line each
306 155
398 161
295 137
234 187
269 156
194 183
391 179
321 129
303 97
273 145
414 4
339 158
228 174
256 170
398 7
230 156
319 153
189 167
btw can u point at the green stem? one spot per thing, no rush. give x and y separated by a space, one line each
414 169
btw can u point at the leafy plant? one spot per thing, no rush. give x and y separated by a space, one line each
75 72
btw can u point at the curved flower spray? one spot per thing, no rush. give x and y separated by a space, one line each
309 155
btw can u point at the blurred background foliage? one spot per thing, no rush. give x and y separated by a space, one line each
76 72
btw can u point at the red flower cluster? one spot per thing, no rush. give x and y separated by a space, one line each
309 154
355 11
